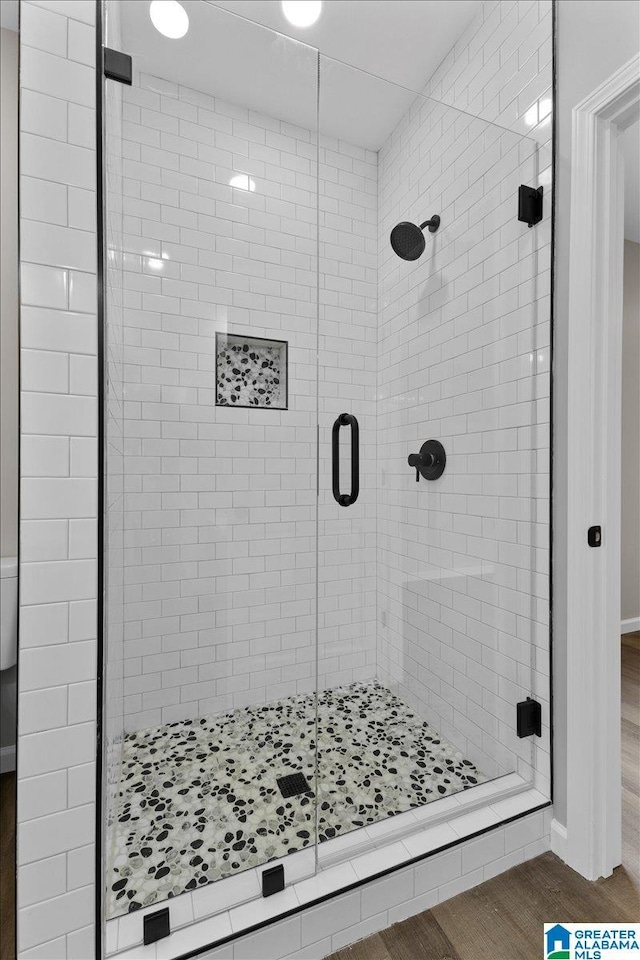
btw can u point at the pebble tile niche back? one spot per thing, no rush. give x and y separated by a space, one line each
251 372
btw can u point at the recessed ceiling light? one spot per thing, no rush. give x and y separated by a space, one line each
301 13
169 17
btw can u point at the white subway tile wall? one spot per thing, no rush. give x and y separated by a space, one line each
348 189
58 535
463 356
220 540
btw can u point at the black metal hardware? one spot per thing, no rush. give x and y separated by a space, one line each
530 204
430 462
433 223
346 499
118 66
293 784
273 880
529 718
407 240
156 926
594 536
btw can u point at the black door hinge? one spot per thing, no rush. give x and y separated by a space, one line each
530 204
156 926
117 66
529 718
273 880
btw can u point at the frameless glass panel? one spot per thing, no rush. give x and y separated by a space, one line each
427 600
212 363
113 439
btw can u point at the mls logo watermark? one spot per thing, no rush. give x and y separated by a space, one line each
591 941
557 942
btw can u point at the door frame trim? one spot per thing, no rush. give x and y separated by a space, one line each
594 827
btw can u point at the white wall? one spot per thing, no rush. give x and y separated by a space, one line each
584 61
8 351
219 502
347 383
463 356
9 294
630 560
194 653
58 572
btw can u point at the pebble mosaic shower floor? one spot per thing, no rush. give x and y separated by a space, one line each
199 799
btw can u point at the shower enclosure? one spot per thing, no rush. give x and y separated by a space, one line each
326 469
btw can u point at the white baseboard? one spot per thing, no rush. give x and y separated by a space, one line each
559 840
630 626
7 758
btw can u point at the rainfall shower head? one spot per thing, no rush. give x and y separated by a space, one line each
407 240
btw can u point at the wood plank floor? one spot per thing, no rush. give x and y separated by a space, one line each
503 918
7 865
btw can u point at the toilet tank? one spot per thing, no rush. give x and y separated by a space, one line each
8 612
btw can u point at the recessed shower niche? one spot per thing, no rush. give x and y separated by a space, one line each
368 658
251 372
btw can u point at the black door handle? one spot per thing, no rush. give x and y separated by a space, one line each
346 499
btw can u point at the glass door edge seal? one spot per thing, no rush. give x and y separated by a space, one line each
393 855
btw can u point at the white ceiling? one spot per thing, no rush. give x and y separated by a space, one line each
398 40
237 59
9 14
631 150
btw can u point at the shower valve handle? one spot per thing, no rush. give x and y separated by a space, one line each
430 462
417 460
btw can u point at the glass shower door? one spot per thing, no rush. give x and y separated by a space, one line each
317 618
211 334
431 587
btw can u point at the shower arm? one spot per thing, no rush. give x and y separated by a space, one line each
433 223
